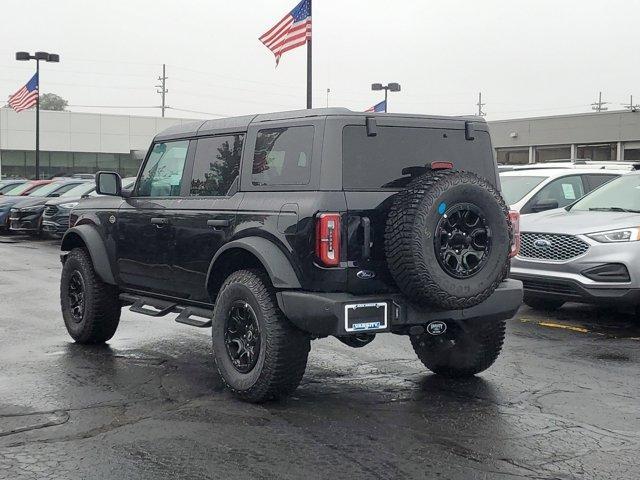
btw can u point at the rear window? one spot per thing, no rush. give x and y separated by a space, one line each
514 188
396 155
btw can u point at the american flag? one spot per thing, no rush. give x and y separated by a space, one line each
26 97
378 107
290 32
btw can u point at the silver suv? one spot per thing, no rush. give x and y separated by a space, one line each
586 252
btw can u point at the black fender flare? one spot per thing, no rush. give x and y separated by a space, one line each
273 259
95 245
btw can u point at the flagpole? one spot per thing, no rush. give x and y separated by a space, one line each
38 121
309 61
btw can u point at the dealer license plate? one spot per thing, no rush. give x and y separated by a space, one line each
365 317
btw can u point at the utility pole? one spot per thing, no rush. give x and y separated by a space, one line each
163 87
599 106
481 113
630 106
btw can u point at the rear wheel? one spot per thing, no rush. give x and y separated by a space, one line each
543 304
463 349
260 355
90 307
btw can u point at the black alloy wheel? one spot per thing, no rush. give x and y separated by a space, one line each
242 336
463 240
75 292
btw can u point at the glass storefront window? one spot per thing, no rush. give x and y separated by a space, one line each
632 153
85 162
512 156
556 152
108 161
598 152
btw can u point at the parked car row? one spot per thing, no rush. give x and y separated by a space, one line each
42 206
584 246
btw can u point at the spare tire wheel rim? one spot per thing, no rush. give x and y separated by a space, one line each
242 336
462 239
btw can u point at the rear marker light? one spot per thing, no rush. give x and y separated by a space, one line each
328 239
514 219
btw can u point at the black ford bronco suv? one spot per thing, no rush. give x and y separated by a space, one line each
282 228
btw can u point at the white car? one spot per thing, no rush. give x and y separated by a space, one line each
536 188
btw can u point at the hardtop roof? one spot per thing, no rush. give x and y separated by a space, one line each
234 124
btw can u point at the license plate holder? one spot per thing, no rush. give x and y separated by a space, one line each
366 317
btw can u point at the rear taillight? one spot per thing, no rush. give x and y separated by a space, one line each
514 218
328 239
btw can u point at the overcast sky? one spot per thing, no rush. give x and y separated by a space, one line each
529 58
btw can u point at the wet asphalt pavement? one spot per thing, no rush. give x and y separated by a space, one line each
562 401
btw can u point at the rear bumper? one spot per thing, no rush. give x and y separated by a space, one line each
570 290
322 314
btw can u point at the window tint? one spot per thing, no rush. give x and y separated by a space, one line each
594 181
216 165
283 156
396 155
564 190
162 174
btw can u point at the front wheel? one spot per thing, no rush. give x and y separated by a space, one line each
260 355
90 307
463 349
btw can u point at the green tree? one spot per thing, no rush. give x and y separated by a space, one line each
51 101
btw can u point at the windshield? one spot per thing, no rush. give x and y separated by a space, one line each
6 187
619 195
80 190
514 188
20 189
45 190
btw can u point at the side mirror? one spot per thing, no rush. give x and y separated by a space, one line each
544 205
108 183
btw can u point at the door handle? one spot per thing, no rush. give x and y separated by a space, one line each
218 222
160 221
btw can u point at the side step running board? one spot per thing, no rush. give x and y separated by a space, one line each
140 304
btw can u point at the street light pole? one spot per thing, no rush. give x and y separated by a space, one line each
47 57
391 87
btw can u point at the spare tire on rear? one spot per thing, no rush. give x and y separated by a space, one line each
447 239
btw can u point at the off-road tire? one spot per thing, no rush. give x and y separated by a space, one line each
284 349
409 239
543 304
101 313
465 349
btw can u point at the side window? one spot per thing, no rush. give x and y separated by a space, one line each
216 165
594 181
564 191
283 156
162 174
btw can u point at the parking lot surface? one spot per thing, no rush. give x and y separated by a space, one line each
562 401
